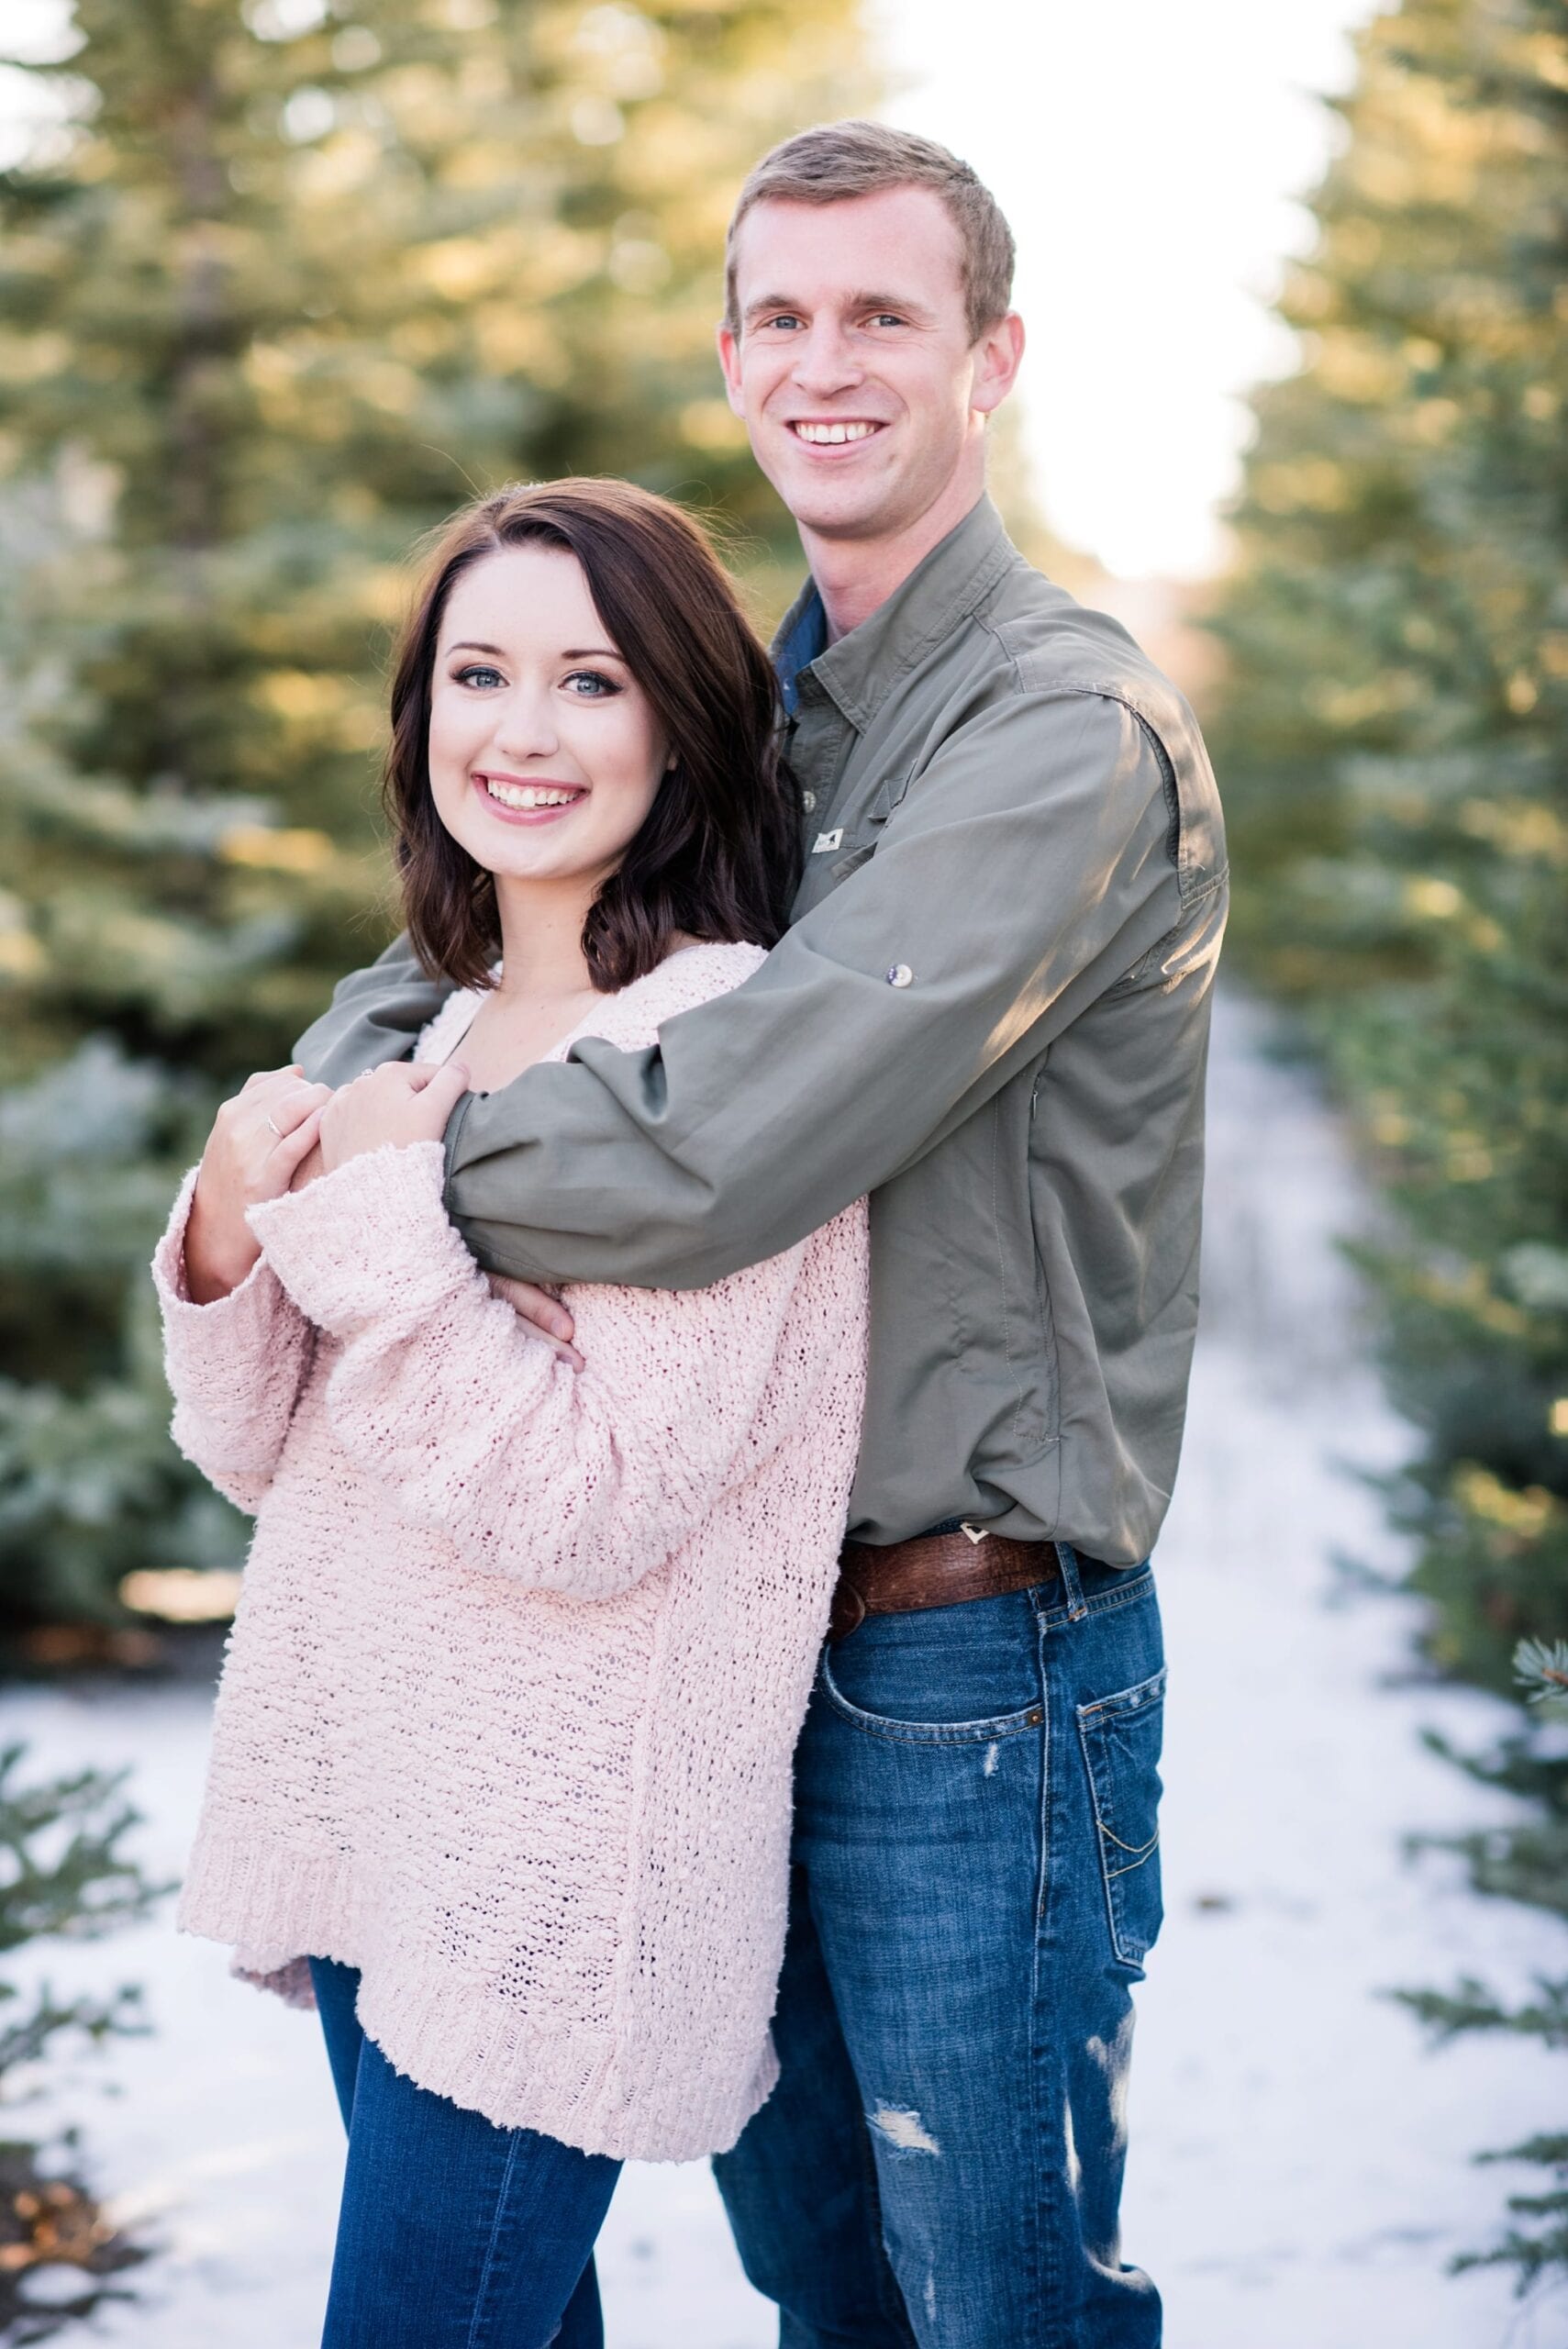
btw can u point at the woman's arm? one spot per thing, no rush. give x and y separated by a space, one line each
235 1366
578 1482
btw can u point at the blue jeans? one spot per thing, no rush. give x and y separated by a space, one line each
453 2234
975 1884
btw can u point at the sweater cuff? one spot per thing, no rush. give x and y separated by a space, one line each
242 1323
370 1239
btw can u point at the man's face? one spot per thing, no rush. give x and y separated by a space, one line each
855 369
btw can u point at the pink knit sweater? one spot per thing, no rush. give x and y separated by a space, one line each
521 1656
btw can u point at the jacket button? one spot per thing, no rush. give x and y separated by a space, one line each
900 976
808 801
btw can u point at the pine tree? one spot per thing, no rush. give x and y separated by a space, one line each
293 280
64 1876
1395 745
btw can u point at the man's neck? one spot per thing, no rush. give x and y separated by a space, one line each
855 577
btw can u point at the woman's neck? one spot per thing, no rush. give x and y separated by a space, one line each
541 939
545 988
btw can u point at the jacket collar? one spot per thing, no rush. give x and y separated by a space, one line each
942 590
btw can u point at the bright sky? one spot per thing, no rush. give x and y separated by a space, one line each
1148 154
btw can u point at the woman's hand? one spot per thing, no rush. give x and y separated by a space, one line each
401 1102
544 1314
406 1101
257 1141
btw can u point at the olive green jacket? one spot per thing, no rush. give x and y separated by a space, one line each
991 1013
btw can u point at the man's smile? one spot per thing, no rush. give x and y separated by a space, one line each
834 432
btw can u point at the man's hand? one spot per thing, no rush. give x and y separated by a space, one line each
257 1141
401 1102
545 1315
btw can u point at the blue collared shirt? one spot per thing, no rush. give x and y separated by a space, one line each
807 638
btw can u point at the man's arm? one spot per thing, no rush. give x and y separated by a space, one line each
374 1016
1026 870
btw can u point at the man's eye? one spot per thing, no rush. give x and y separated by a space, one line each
592 684
887 318
786 321
477 673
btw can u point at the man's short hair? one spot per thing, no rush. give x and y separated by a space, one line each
839 160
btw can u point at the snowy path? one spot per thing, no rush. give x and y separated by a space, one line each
1299 2170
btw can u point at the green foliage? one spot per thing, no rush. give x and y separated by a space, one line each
1395 741
1541 1668
1539 2249
293 279
1536 2245
63 1876
63 1873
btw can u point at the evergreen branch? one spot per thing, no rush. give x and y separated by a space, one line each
95 2019
1470 2006
83 1888
1542 1670
1550 2150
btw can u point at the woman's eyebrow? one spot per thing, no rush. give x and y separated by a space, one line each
572 653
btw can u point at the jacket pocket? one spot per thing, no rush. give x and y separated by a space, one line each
1121 1736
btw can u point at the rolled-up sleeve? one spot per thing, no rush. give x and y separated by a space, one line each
1030 865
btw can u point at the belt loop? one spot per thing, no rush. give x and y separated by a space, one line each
1067 1558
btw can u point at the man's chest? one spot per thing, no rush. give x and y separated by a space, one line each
851 780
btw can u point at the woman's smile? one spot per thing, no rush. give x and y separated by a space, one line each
513 801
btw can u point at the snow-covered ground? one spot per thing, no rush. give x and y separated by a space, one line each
1300 2168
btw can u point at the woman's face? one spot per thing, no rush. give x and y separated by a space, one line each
545 753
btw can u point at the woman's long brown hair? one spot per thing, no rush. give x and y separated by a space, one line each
718 855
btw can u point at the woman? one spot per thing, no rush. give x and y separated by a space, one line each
501 1762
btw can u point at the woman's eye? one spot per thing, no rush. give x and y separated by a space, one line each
477 673
591 684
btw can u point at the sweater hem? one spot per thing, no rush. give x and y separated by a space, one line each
461 2041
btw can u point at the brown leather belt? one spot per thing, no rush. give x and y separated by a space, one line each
935 1570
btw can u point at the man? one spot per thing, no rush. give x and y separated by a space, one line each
991 1013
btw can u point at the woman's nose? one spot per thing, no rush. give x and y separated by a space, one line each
526 727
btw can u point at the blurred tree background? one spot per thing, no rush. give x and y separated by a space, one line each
1394 744
284 285
289 278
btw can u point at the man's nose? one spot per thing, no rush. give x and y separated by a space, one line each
825 361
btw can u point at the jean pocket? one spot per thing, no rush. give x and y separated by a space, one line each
1120 1736
910 1732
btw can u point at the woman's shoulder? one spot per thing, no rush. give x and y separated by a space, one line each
694 974
441 1035
691 976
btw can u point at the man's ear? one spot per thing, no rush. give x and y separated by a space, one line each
998 355
729 359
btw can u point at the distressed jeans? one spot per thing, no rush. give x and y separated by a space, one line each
975 1884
